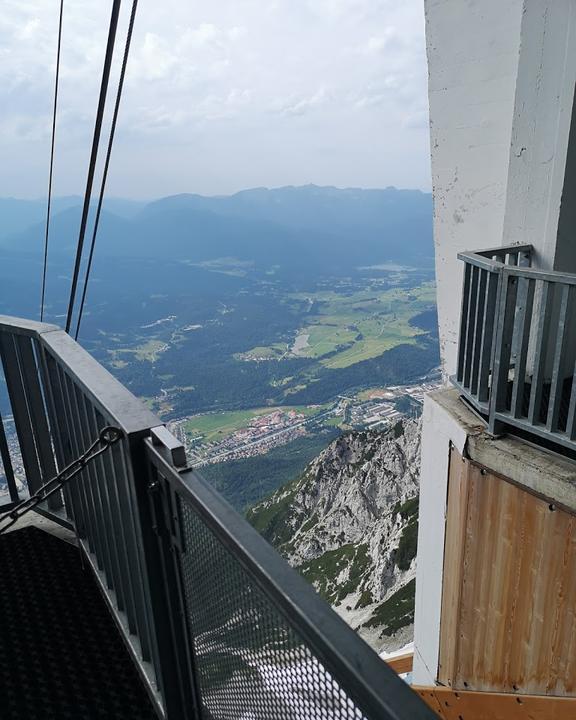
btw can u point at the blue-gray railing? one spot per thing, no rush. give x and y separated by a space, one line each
217 623
517 347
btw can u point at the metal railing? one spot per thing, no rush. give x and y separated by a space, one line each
517 346
217 623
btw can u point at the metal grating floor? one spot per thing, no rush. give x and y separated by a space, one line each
61 656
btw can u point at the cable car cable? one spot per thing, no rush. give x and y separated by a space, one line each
56 83
93 156
107 162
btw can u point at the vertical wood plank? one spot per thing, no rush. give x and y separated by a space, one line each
456 511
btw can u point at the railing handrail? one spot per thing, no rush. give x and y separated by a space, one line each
547 275
112 398
484 259
23 326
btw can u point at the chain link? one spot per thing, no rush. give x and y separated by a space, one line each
108 436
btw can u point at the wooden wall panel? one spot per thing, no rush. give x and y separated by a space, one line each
509 592
466 705
455 539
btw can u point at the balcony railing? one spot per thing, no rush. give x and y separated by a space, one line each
517 347
217 623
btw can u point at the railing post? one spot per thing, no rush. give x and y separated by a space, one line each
463 320
158 510
487 350
7 464
502 349
20 411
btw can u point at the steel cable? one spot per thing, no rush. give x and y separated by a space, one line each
107 162
49 206
93 156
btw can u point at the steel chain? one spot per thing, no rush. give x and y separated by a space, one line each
108 436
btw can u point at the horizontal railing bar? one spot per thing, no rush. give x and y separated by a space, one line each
481 262
559 437
546 275
484 258
22 326
372 685
500 250
106 393
481 406
506 249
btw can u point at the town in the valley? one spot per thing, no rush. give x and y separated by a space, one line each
373 409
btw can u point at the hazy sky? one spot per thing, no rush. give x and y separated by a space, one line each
220 95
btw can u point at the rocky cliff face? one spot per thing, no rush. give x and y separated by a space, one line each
349 525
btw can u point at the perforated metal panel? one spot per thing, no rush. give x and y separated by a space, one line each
250 663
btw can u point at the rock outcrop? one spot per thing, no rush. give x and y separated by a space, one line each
349 524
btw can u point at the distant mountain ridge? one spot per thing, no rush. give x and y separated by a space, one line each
287 226
17 216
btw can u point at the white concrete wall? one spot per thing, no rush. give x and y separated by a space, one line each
473 48
541 192
502 78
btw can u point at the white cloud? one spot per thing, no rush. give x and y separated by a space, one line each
300 106
28 30
376 45
221 94
155 59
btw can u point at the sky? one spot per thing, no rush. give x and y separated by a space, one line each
220 95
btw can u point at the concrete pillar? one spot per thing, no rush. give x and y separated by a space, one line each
541 190
540 207
473 50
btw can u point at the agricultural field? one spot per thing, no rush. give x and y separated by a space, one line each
346 328
271 352
265 343
148 351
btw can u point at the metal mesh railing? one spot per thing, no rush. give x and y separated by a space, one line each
264 644
250 661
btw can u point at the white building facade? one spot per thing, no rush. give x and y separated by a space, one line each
502 78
